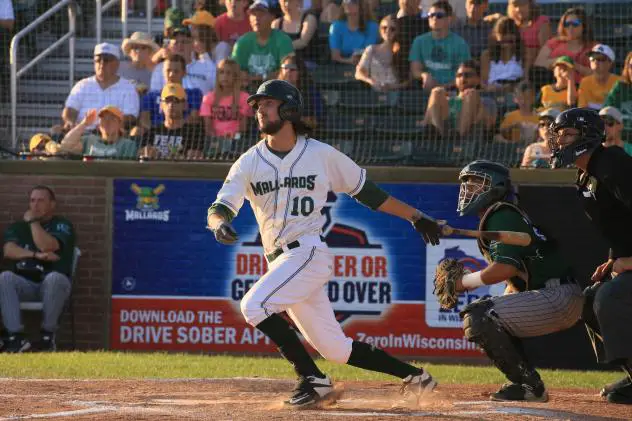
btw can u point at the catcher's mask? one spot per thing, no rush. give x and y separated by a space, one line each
566 149
483 182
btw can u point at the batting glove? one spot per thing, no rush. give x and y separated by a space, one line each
226 234
428 228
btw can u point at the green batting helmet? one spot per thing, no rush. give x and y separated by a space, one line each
291 107
495 185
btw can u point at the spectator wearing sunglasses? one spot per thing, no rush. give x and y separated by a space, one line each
574 39
621 95
613 119
466 114
435 56
538 154
376 67
594 88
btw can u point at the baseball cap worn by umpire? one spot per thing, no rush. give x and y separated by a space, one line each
291 108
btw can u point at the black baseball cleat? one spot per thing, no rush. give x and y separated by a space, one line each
418 385
622 395
310 390
520 392
609 388
46 343
16 343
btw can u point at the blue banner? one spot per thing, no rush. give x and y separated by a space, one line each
161 246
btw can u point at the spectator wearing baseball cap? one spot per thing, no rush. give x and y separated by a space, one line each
563 93
42 146
173 138
199 74
234 22
174 71
259 52
173 19
106 87
139 47
613 119
206 45
594 88
108 143
538 154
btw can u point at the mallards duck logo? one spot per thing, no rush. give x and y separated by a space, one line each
147 204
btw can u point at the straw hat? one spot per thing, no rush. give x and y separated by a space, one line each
139 38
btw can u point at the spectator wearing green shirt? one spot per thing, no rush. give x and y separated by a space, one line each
109 143
259 53
435 55
613 119
468 113
621 95
40 251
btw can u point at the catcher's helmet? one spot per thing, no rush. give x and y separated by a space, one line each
291 107
495 184
592 132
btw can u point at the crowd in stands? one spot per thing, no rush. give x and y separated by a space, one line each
481 76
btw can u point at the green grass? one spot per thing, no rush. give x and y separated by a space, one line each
117 365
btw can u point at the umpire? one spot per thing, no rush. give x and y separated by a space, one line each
604 182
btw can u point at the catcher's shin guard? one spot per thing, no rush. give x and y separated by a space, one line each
481 326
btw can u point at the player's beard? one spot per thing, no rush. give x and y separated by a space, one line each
272 127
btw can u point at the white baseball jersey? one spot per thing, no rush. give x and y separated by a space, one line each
287 195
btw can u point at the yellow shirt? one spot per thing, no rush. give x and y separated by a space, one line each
527 128
591 94
550 98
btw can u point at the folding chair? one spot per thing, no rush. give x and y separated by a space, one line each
39 306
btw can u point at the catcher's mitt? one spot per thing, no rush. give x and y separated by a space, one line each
446 275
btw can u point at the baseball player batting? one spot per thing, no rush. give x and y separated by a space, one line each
542 295
286 178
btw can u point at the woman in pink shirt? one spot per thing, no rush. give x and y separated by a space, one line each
225 110
535 28
574 39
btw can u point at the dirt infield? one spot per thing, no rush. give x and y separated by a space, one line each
261 399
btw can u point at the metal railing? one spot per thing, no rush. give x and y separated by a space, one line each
15 74
101 8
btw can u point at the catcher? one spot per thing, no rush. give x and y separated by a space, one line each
542 296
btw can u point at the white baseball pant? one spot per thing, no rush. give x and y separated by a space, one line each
295 282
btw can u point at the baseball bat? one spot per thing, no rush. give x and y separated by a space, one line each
506 237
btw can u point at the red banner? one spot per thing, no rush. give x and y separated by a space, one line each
217 325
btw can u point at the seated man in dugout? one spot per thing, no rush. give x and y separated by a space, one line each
40 250
465 112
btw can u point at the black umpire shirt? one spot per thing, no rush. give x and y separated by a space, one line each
606 193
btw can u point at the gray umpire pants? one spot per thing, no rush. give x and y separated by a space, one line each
613 308
53 292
